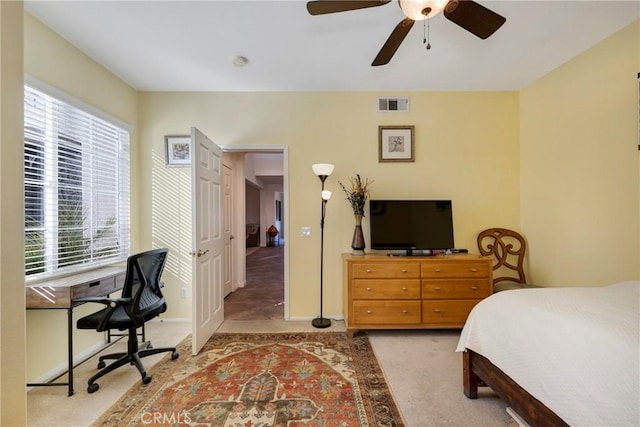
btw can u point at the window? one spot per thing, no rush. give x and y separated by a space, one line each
76 184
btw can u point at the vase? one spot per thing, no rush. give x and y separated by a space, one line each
357 243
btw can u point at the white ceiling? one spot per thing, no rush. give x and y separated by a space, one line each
189 45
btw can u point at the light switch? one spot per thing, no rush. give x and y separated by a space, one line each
306 231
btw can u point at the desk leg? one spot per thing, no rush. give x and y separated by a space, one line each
70 349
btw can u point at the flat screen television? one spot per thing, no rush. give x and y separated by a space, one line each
411 225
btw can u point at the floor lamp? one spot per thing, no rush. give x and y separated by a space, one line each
323 170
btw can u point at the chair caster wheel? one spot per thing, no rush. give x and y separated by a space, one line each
101 364
174 355
146 379
93 387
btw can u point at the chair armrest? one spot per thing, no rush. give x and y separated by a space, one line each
111 302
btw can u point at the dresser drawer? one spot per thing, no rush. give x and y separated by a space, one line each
386 312
386 289
455 269
385 270
455 288
447 311
94 289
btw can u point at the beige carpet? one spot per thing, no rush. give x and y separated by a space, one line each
425 375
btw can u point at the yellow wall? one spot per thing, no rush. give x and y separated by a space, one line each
12 295
546 161
466 150
579 167
54 61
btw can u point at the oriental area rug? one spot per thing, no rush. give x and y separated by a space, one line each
283 379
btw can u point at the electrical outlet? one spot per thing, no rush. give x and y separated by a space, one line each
306 231
183 292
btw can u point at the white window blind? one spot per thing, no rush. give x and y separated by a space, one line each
76 178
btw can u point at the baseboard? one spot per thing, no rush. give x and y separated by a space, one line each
306 318
62 369
86 354
170 320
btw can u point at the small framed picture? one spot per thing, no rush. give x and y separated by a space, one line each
395 143
178 149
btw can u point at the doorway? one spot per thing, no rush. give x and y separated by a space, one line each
258 201
262 297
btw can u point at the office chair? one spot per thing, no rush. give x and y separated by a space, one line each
141 301
508 249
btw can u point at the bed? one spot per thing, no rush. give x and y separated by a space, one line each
558 356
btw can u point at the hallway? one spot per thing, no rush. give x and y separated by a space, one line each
262 298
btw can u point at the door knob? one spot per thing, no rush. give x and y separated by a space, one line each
231 237
200 253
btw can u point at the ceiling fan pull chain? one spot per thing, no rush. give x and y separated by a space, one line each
428 28
424 32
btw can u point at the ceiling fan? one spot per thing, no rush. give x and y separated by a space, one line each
468 14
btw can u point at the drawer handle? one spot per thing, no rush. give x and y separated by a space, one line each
473 270
369 312
437 270
438 288
474 288
368 289
437 310
404 270
405 289
369 270
405 311
92 284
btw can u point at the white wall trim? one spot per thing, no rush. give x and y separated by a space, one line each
78 358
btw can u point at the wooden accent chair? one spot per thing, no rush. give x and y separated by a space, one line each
508 249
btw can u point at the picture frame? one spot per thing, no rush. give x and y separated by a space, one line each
396 143
178 150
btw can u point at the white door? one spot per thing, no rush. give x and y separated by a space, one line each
208 244
228 229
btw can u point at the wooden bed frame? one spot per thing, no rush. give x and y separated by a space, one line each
478 371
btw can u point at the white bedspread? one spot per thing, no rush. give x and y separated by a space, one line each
577 350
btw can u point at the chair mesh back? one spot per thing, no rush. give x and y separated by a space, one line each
142 284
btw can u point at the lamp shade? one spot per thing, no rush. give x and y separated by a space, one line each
413 8
322 169
326 195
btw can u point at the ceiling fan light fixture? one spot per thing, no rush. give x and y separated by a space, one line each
413 9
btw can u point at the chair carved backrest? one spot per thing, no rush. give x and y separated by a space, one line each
142 284
508 249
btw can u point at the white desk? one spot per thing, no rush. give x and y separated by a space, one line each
61 293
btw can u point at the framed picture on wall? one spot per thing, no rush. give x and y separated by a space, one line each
395 143
278 210
178 150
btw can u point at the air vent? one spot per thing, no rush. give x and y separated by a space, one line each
393 105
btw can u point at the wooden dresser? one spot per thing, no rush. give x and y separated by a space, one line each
383 292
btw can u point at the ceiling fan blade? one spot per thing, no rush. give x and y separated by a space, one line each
393 42
321 7
473 17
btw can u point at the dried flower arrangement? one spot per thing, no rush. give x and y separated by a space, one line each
357 193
